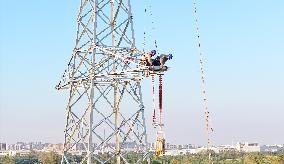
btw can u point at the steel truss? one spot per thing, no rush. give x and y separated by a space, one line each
105 111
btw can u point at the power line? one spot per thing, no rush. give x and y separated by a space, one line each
208 127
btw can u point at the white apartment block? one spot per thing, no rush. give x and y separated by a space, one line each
248 147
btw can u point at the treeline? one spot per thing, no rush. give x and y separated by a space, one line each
220 158
32 158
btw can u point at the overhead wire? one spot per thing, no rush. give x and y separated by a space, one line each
144 28
153 28
208 126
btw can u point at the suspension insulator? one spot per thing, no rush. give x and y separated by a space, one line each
154 117
161 97
153 98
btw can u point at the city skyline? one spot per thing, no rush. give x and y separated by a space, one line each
243 67
151 143
171 149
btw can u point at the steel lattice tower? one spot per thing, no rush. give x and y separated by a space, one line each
105 111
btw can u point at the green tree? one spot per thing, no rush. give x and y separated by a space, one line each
7 160
49 158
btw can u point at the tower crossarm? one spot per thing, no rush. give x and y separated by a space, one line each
127 60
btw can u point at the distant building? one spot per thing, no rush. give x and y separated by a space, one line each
3 146
168 146
173 147
129 145
187 146
54 148
80 146
4 153
16 147
226 148
248 147
271 148
175 152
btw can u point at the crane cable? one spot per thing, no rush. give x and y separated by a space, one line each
208 127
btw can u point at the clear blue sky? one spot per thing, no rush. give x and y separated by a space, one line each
244 63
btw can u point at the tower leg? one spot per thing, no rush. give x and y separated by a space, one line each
90 142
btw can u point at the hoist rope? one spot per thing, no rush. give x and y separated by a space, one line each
205 103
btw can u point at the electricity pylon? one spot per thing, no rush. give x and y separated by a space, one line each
105 112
